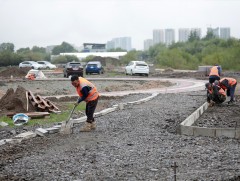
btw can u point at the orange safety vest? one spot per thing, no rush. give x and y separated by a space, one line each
231 82
214 71
92 94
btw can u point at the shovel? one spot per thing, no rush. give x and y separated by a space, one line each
66 127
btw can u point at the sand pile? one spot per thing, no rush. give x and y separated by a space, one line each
15 72
15 102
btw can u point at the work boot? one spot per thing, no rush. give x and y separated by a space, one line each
87 127
93 125
211 104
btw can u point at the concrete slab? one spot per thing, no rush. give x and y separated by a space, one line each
53 130
26 135
186 130
41 132
202 131
228 132
237 134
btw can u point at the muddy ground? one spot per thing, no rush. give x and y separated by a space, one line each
137 143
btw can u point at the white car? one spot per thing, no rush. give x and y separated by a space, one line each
137 67
31 64
47 64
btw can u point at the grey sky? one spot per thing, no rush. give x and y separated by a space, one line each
26 23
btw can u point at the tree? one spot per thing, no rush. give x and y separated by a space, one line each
131 55
209 35
23 50
65 59
193 36
38 49
7 47
63 48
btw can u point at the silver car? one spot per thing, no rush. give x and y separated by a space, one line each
31 64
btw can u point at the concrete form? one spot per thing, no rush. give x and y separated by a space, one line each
187 128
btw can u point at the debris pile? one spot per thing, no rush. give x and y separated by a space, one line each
23 101
15 101
15 72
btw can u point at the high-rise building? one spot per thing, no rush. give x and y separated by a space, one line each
183 34
225 33
124 43
148 43
158 36
169 36
215 31
110 45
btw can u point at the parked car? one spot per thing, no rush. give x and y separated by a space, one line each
73 68
31 64
47 64
94 67
137 67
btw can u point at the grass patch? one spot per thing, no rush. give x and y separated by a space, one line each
54 118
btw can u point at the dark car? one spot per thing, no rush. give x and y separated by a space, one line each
73 68
94 67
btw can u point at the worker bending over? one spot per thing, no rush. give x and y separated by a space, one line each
229 84
215 94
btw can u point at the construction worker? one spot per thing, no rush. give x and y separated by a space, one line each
215 73
228 84
215 93
87 92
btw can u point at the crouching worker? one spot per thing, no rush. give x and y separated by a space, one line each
229 84
215 94
87 92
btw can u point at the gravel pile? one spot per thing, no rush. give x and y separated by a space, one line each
138 143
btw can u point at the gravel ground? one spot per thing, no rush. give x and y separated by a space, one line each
138 143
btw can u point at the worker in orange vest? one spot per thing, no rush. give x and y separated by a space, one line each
215 73
229 84
215 93
87 92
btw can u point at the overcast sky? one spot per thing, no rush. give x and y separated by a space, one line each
27 23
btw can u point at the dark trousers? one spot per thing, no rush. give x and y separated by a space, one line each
213 78
90 108
231 91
